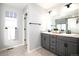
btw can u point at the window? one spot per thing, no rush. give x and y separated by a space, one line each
61 27
10 14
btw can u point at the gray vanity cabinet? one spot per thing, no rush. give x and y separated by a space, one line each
60 45
45 41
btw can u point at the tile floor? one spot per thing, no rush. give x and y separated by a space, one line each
22 51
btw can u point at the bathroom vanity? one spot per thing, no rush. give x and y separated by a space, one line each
61 44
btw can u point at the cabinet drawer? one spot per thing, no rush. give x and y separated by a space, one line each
61 54
52 43
60 38
53 50
53 37
65 38
53 46
53 40
72 39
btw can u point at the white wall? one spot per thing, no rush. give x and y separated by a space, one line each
46 22
33 31
4 42
1 31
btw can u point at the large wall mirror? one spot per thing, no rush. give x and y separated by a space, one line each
67 25
67 22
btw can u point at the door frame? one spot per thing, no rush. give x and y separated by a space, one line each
25 29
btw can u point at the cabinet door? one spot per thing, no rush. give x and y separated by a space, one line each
45 40
60 47
72 49
42 40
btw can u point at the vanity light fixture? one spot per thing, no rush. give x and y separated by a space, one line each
68 5
49 11
77 21
25 14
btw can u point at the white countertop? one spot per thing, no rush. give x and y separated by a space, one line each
63 34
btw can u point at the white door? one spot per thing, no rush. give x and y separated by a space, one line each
10 26
10 29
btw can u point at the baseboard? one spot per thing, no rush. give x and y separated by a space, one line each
35 49
11 47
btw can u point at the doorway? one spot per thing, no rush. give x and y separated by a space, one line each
10 29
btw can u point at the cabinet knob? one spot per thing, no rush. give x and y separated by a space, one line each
53 42
15 27
6 27
24 28
65 45
44 39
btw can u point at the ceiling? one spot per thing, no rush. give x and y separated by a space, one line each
22 5
17 5
43 5
46 5
50 5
